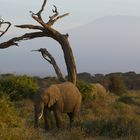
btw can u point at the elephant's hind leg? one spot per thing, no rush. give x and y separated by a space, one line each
77 114
71 118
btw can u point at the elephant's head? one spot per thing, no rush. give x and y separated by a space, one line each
45 99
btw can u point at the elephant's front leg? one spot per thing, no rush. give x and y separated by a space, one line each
47 116
58 117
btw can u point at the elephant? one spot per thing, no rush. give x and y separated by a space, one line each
59 98
98 90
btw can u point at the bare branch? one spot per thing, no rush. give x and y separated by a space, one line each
2 22
55 17
55 13
42 8
47 56
52 21
37 16
26 36
61 16
30 26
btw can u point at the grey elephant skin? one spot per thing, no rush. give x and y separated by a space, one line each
59 98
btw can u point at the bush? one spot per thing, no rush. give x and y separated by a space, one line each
8 114
18 87
126 99
116 119
120 108
119 126
117 85
14 127
85 89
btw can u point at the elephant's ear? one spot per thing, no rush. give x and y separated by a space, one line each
54 95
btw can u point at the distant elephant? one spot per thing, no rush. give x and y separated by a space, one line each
59 98
98 90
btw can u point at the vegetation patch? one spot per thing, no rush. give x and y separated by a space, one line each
126 99
85 89
117 85
18 87
120 126
109 117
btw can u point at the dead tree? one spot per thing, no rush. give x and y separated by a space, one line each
45 29
47 56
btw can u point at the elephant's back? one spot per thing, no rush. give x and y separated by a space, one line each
71 96
68 89
100 88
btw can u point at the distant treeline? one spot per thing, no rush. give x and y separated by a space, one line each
131 79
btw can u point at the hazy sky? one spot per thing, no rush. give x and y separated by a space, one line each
81 12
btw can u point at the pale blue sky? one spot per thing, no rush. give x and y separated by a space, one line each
20 60
81 11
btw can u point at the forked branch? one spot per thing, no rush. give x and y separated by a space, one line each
2 22
55 17
52 19
42 8
55 12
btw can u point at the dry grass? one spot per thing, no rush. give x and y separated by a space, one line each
104 118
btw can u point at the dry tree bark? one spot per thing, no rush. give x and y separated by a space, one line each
47 56
45 29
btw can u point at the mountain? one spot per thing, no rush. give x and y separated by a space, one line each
108 44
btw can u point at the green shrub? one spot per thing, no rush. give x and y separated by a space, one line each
85 89
18 87
126 99
8 114
14 127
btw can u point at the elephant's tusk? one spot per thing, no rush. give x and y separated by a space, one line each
41 113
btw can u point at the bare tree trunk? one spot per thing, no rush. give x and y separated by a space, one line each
69 59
